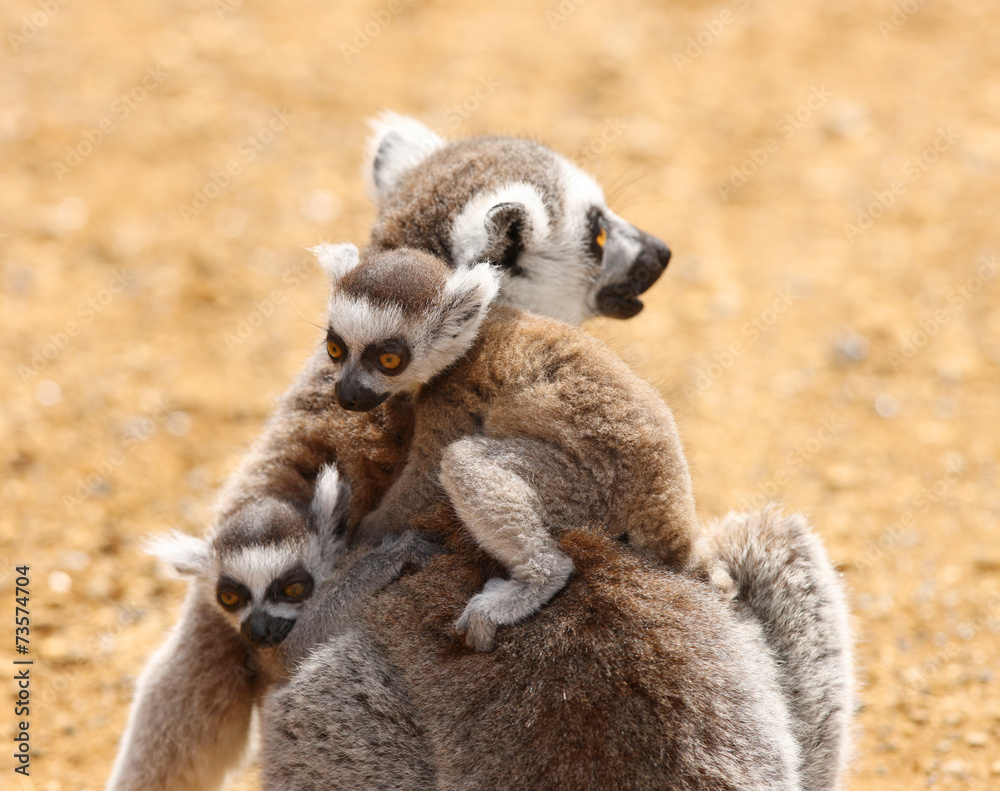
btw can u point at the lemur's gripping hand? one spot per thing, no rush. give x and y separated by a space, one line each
410 548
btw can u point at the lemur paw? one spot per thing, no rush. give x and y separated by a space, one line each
721 580
476 630
476 626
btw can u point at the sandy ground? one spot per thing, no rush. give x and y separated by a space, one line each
828 332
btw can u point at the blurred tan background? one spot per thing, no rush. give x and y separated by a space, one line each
828 332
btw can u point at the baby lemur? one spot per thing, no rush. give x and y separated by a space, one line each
260 567
531 426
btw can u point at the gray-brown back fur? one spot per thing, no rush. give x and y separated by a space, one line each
632 677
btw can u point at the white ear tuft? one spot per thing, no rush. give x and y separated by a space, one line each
336 259
477 235
187 555
397 144
468 295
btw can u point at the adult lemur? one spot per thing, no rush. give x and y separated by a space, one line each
642 681
562 253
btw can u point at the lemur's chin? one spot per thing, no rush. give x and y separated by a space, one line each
617 306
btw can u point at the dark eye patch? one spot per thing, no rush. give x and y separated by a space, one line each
334 341
228 586
296 575
597 226
396 346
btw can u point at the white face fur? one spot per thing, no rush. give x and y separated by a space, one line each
379 349
267 580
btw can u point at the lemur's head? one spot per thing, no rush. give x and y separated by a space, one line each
541 221
397 318
267 561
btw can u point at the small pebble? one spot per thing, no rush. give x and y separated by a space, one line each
60 581
956 767
977 739
886 405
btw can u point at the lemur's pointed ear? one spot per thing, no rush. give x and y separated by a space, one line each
336 259
468 295
499 225
187 555
508 226
397 144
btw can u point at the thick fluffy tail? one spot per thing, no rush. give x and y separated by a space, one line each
786 583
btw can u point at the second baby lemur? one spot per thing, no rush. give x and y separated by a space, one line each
529 425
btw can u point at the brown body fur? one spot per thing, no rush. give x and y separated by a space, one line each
608 441
306 431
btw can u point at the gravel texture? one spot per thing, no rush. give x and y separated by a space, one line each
828 331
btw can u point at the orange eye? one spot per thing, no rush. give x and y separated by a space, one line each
390 361
601 237
295 590
334 350
229 598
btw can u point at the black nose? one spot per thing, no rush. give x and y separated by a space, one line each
650 263
262 630
620 300
358 398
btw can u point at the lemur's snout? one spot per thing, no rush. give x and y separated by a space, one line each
357 398
262 630
619 300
